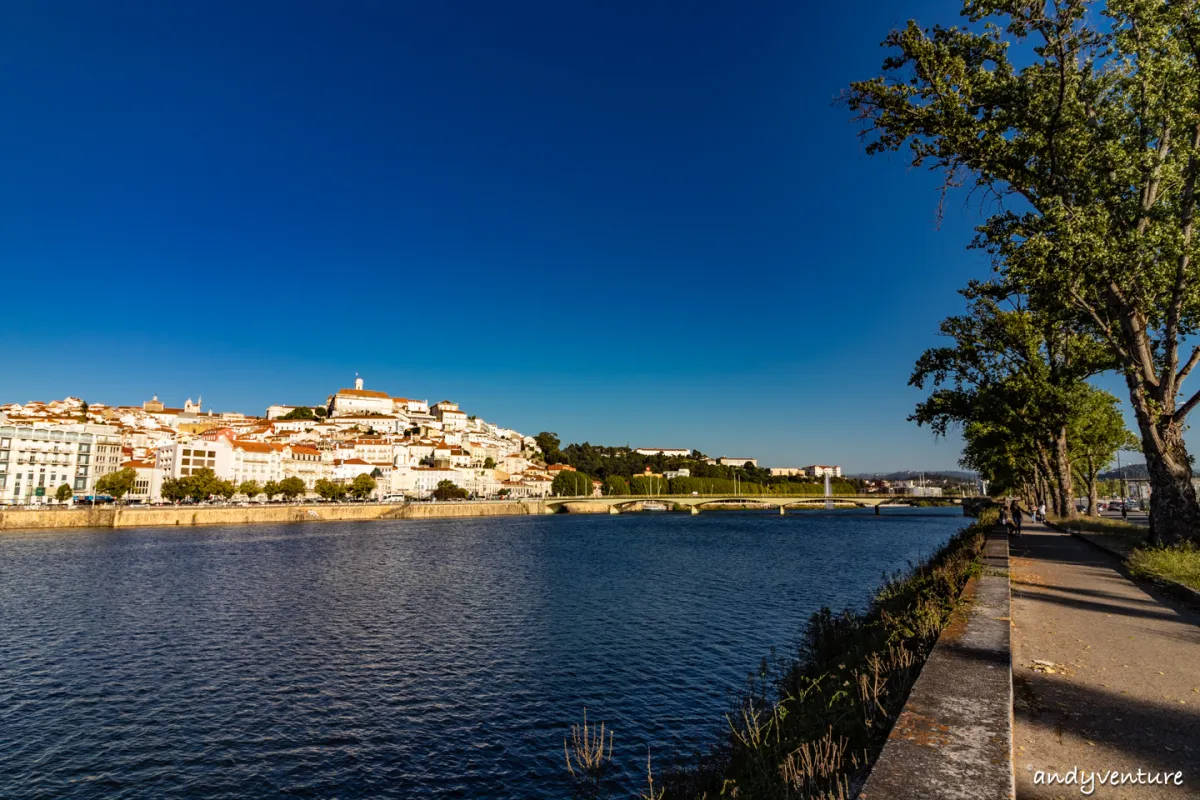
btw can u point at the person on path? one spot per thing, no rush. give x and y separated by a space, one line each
1017 517
1006 519
1041 513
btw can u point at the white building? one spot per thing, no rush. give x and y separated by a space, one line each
730 461
675 452
359 401
147 485
787 472
34 462
821 470
182 459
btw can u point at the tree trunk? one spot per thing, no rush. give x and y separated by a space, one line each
1174 510
1050 483
1062 470
1093 492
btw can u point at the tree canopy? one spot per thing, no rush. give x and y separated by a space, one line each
117 484
449 490
1090 150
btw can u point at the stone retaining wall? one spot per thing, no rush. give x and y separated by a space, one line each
953 740
165 516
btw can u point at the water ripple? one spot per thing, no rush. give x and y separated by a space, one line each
401 659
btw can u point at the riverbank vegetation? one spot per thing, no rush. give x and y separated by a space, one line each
623 471
810 725
1086 149
1180 564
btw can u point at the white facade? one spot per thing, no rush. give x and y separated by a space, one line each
821 470
359 401
730 461
34 462
666 451
787 472
182 459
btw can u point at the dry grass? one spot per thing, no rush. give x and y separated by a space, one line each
586 757
810 726
1180 564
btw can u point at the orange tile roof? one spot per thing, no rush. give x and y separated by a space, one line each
256 447
363 393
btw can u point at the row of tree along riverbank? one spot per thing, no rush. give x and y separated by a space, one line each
1091 154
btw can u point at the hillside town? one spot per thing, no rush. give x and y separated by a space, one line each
406 446
67 451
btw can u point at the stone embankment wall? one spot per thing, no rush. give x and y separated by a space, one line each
165 516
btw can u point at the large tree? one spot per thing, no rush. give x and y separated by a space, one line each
292 487
1092 151
362 486
571 483
1013 372
1096 432
449 490
117 484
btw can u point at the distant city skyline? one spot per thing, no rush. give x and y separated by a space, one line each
620 223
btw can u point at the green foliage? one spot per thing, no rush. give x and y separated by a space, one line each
174 490
362 486
649 485
251 489
329 490
292 487
300 412
569 483
489 463
272 490
117 484
616 485
64 493
449 490
1091 150
548 443
199 486
1180 564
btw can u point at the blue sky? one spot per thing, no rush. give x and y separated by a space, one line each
626 222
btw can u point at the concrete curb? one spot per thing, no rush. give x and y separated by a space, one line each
1172 588
954 737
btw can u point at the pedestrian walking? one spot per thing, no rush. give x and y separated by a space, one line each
1041 513
1017 518
1006 519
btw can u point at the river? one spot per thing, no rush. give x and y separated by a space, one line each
441 658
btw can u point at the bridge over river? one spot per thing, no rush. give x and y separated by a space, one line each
615 504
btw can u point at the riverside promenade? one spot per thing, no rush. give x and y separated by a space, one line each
1105 676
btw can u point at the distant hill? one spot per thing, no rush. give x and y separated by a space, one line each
1129 472
910 474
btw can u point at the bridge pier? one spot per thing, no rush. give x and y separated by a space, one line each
614 510
878 511
782 512
695 511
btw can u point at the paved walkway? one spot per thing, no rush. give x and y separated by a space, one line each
1105 677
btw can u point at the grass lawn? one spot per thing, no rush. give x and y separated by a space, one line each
1117 534
1181 564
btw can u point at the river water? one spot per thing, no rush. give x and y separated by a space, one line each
403 659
